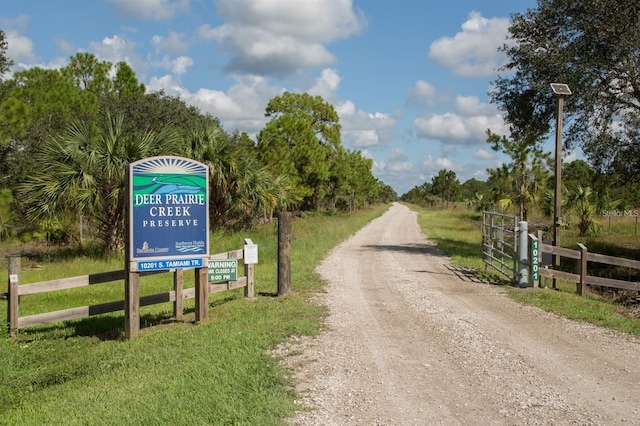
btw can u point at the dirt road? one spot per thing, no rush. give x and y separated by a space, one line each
411 341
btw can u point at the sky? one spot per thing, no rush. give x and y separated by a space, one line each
409 79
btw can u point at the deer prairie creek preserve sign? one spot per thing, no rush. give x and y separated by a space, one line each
168 214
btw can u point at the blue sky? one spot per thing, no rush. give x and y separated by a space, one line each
409 78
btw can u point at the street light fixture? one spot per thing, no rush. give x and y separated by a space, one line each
560 90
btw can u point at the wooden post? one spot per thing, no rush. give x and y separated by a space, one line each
202 294
581 287
131 303
249 289
178 285
131 279
540 236
13 308
491 238
284 253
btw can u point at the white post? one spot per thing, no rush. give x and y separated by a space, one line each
523 254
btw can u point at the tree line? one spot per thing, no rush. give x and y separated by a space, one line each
528 182
66 136
592 46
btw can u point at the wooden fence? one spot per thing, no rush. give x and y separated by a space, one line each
177 295
583 257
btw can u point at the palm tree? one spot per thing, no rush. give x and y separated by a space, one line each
84 174
581 203
240 188
524 176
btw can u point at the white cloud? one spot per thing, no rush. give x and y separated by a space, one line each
65 46
281 37
167 84
180 64
345 108
260 52
422 93
173 44
446 127
396 155
115 49
326 85
434 166
20 47
361 138
318 21
403 167
177 66
473 52
483 154
471 106
151 9
362 129
241 106
467 125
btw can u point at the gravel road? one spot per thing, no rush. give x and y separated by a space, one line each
410 340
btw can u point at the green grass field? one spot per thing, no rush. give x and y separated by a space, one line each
458 232
219 372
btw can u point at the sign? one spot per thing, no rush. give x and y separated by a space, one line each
223 270
159 265
535 261
168 211
250 254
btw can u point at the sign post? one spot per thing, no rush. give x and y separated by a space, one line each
168 226
535 261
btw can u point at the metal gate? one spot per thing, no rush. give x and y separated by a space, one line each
500 243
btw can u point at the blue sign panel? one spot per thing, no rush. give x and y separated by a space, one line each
159 265
169 212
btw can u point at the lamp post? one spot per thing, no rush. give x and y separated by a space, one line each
560 90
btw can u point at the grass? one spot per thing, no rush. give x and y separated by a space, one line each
458 232
218 372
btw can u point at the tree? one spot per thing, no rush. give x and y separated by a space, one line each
421 194
577 172
473 186
302 141
527 172
583 204
385 193
241 188
591 45
5 62
89 73
82 174
41 103
7 215
446 186
500 183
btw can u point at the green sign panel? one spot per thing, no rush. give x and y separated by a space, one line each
535 262
223 270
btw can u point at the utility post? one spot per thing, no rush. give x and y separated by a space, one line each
560 90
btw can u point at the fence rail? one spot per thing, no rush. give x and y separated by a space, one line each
581 277
177 295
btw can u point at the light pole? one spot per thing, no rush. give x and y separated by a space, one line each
561 90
